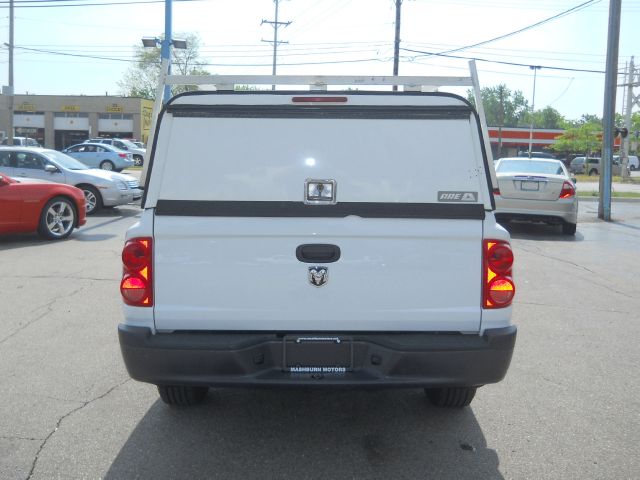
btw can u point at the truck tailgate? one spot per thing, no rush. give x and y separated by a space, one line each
216 273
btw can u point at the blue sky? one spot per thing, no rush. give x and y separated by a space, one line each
357 33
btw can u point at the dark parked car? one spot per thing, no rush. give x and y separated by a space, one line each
592 166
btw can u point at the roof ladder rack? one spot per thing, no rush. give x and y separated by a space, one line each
320 83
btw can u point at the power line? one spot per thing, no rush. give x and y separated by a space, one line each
499 49
435 54
327 62
4 4
529 27
79 55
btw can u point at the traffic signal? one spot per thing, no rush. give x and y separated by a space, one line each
623 132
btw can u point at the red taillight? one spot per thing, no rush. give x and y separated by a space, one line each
501 292
568 190
136 286
122 155
498 286
500 257
496 191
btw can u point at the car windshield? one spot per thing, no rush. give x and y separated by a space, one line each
529 166
64 161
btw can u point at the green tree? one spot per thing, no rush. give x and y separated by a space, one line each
585 119
585 138
635 127
502 107
547 118
141 80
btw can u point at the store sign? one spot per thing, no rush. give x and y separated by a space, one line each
70 108
26 131
146 113
114 108
26 107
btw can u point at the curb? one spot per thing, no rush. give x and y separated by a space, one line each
613 199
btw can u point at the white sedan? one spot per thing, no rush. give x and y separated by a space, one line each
538 190
101 188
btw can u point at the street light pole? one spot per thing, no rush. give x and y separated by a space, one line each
396 43
165 46
11 92
535 69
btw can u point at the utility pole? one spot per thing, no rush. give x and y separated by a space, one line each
501 120
633 80
396 44
11 88
609 109
275 24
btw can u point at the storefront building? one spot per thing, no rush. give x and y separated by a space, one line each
508 141
60 121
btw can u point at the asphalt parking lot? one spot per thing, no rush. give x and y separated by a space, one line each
569 407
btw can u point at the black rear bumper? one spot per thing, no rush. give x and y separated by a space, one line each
258 358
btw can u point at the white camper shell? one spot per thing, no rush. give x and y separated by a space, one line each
335 238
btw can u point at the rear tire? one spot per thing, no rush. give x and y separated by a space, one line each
107 165
138 160
181 396
451 397
633 168
569 228
593 172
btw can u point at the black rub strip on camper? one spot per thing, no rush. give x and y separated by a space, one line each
213 208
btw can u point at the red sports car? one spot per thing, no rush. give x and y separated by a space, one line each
51 209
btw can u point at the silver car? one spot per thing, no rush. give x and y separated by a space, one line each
123 144
106 157
100 187
538 190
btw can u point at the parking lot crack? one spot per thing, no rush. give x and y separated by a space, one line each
11 437
64 417
48 309
571 308
558 259
57 277
582 267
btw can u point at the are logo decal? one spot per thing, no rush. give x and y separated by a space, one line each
470 197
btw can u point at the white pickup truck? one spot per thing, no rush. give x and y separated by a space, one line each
318 239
